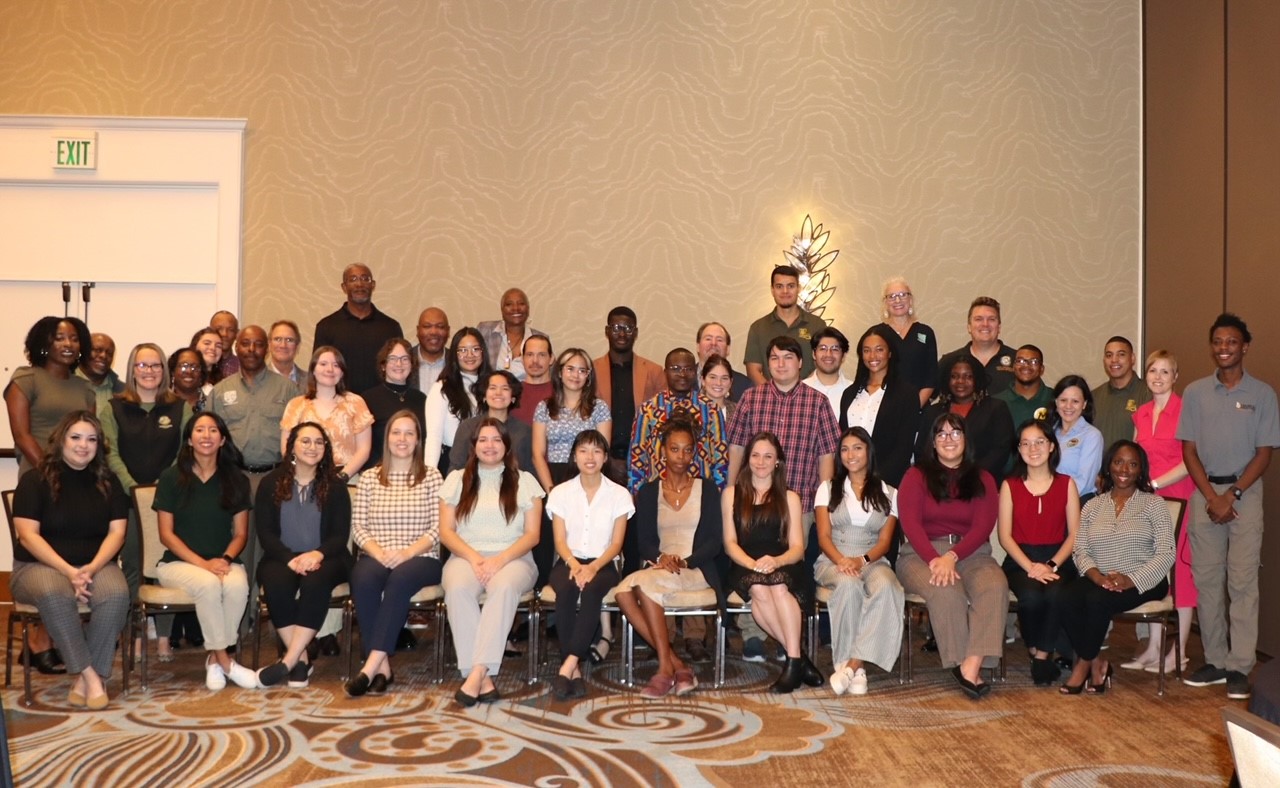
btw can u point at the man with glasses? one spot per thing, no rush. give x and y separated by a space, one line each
830 346
711 460
1028 397
283 341
624 380
785 319
252 402
358 330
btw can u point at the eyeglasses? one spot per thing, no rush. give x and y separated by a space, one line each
359 279
187 366
397 359
283 341
470 351
829 349
621 328
1038 443
143 366
1026 362
901 296
308 443
678 368
948 435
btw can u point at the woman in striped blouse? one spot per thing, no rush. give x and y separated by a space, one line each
1123 552
396 524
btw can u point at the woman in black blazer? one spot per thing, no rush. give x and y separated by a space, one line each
679 548
988 425
882 404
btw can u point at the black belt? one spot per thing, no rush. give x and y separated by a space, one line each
949 539
257 468
1232 479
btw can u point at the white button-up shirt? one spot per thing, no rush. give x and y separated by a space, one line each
589 524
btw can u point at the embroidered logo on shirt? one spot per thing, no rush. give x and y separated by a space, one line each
1074 442
921 339
1131 406
164 423
229 397
1005 361
804 334
1041 414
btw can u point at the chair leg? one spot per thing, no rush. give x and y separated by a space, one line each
1164 635
26 663
535 622
351 652
8 653
346 638
257 637
721 636
143 680
126 653
628 653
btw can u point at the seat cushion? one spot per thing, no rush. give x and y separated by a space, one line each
160 595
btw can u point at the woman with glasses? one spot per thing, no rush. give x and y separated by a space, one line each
947 506
455 396
396 392
346 419
914 345
1039 518
186 376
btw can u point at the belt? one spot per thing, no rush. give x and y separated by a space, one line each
257 468
1232 479
949 539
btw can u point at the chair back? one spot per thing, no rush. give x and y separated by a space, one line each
149 526
1255 748
8 514
1177 507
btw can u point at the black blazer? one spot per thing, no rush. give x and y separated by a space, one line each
335 522
989 427
708 540
894 434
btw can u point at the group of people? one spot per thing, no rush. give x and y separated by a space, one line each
397 466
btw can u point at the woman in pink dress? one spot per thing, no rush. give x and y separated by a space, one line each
1156 424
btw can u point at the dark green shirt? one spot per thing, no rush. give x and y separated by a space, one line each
198 517
1038 407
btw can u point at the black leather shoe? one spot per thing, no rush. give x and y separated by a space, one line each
358 686
378 684
491 696
329 646
46 662
791 678
930 646
1043 672
407 641
464 700
313 650
811 677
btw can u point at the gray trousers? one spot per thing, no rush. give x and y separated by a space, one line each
480 632
53 595
968 616
866 613
1224 561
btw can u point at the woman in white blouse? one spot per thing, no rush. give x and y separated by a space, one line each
589 517
882 403
490 515
454 397
395 521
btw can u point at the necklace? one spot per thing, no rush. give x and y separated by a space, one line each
676 497
399 394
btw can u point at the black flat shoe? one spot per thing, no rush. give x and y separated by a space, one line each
930 646
329 646
1044 672
491 696
358 686
560 687
974 691
464 700
378 684
577 688
47 662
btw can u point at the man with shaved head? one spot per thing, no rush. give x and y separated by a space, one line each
433 338
358 330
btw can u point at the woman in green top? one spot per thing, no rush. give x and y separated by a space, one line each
203 506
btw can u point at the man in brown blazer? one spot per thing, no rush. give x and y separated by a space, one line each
624 381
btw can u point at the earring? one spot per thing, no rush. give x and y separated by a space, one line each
293 461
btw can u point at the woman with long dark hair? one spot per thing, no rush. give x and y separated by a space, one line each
208 343
456 395
882 403
856 514
1080 441
947 506
303 518
764 540
203 506
69 517
490 515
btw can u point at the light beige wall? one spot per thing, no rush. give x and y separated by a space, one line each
658 154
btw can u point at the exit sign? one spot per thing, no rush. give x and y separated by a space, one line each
76 151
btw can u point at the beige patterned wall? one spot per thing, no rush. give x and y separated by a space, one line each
659 154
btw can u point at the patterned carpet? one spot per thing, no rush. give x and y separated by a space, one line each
922 734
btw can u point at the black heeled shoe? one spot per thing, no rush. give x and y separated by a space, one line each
791 678
47 662
811 677
1101 687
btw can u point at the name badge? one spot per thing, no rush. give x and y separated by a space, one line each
1245 406
1074 442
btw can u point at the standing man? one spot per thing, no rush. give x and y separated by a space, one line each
985 345
284 341
1228 428
1028 397
829 346
624 381
1115 401
358 330
537 377
228 328
786 319
504 339
252 402
96 368
433 336
713 338
711 460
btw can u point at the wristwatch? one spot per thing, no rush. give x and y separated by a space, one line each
1236 491
1052 564
228 558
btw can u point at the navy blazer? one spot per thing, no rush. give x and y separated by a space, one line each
708 540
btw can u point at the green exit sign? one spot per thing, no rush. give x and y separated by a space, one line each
77 151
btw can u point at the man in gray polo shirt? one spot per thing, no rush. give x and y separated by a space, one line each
252 401
1228 428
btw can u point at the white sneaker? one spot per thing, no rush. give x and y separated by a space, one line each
841 679
242 676
858 685
214 678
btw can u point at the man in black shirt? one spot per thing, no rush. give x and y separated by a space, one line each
358 330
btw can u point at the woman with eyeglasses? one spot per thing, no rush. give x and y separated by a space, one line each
396 392
455 396
186 376
346 419
914 345
947 506
1039 518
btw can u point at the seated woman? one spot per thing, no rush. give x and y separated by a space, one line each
988 425
396 524
490 516
501 394
717 384
763 539
947 506
455 396
589 519
1080 441
347 422
680 541
1039 517
303 522
1124 551
395 393
882 403
203 506
69 514
856 515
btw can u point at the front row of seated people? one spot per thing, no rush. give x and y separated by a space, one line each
1072 571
